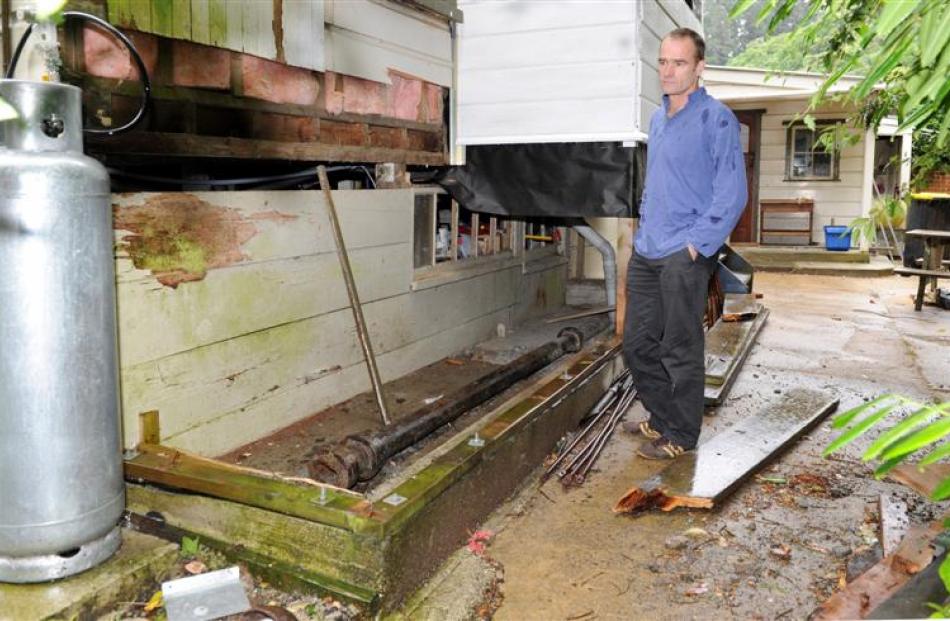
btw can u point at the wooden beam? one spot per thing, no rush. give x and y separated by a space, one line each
921 479
878 584
727 346
705 476
186 145
301 498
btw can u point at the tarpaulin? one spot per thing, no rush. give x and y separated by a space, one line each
577 179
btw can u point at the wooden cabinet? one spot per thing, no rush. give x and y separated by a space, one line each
786 222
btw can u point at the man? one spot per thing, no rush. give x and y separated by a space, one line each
694 194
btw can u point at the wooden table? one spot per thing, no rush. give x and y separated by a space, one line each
936 244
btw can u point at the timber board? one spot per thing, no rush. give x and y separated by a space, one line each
728 360
703 477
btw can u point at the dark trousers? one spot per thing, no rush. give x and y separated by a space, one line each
663 340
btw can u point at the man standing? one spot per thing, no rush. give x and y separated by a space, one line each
694 194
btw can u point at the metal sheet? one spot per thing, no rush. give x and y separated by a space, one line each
207 596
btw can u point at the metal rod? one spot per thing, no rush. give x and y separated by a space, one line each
361 330
595 415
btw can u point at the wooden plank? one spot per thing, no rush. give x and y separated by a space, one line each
893 523
303 498
181 19
921 479
726 344
235 23
218 22
303 34
140 17
703 477
201 21
740 306
162 17
876 585
120 12
149 431
258 33
312 389
331 551
715 394
184 145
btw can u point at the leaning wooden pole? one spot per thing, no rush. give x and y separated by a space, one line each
361 331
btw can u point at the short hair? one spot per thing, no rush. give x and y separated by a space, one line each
689 33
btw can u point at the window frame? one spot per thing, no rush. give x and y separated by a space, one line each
435 272
794 126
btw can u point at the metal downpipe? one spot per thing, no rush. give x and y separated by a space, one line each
610 261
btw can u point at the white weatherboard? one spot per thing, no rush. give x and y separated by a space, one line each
548 71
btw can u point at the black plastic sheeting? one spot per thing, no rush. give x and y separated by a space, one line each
578 179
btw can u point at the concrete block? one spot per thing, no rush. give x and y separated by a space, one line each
279 83
106 57
200 65
133 573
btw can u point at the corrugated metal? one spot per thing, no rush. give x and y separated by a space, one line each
547 71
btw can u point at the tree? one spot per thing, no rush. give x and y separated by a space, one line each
726 38
781 52
904 43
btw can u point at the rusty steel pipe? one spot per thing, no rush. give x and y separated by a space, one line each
360 457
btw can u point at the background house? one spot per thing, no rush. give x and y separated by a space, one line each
781 162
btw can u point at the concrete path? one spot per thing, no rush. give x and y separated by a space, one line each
563 555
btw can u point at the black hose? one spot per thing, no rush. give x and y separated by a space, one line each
143 73
308 173
118 34
19 50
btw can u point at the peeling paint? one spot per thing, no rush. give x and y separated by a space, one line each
179 237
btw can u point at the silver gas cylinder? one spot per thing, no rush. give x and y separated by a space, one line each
61 488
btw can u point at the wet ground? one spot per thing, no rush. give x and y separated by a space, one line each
776 548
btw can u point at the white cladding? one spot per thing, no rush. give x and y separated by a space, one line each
557 70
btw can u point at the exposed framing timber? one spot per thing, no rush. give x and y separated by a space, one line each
186 145
702 478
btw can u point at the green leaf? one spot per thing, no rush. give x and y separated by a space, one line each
895 12
189 546
887 466
844 418
854 432
934 35
7 112
942 491
899 431
928 435
939 453
740 7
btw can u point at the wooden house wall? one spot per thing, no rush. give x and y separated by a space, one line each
233 315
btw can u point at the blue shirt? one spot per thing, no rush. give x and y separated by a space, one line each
695 187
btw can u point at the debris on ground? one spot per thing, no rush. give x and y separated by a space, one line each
478 540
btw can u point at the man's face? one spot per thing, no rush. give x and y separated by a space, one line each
679 69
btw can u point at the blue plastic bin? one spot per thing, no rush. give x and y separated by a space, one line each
837 238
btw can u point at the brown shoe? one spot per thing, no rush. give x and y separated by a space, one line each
660 448
642 427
